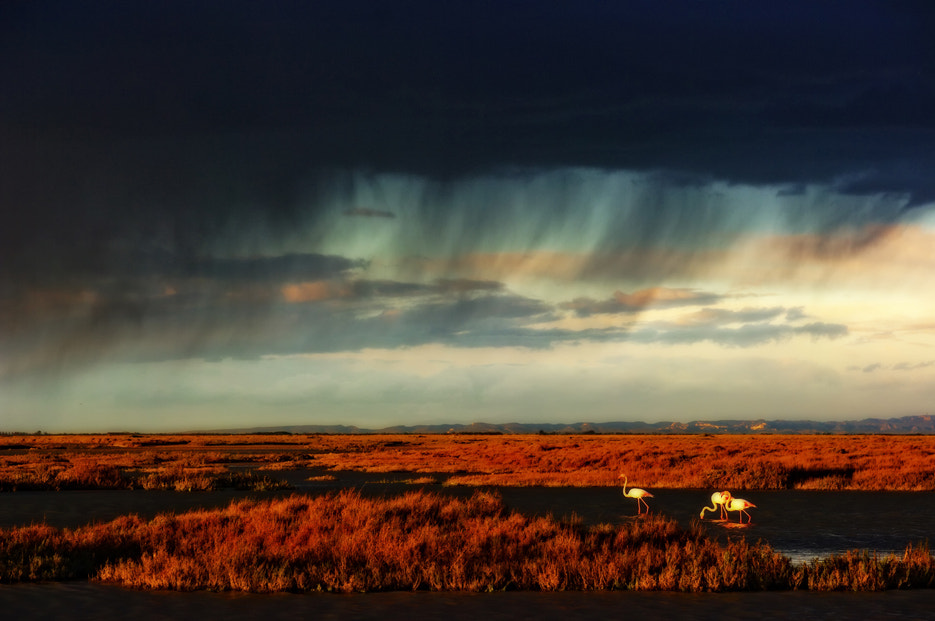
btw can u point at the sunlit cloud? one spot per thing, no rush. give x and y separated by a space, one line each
312 291
876 256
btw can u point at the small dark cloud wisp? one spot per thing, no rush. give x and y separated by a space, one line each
638 301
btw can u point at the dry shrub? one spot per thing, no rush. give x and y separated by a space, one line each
183 479
40 552
860 570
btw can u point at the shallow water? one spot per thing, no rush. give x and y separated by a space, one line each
803 525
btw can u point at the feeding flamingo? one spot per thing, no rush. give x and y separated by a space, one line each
718 500
739 504
637 493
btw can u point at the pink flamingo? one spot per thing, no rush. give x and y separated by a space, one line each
637 493
741 505
718 500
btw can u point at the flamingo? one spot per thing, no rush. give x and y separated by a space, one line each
739 504
637 493
718 500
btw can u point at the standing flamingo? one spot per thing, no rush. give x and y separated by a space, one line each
637 493
718 500
739 504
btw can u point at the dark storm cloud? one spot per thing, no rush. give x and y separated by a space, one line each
450 316
746 91
901 366
747 335
250 323
444 287
721 316
139 283
465 285
244 309
284 268
503 320
246 319
173 127
151 153
629 303
311 328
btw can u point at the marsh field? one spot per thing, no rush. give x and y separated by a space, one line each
456 524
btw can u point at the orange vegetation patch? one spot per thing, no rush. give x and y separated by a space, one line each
89 465
346 542
738 462
826 462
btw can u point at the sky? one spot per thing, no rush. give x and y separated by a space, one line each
239 214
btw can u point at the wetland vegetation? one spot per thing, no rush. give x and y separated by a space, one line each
347 542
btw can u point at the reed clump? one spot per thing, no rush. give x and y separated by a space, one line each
42 553
861 570
205 480
345 542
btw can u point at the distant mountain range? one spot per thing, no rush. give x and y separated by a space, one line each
905 425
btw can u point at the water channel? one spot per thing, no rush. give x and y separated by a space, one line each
802 525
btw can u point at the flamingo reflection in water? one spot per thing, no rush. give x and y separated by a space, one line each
637 493
718 500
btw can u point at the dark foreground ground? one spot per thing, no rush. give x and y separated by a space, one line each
101 602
